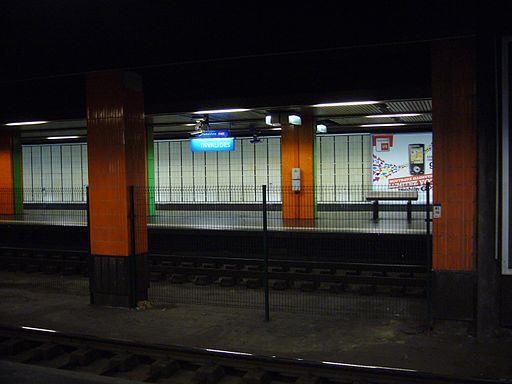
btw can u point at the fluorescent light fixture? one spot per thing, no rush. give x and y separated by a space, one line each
268 121
321 128
62 137
346 103
275 129
394 115
382 125
221 111
294 120
40 329
27 123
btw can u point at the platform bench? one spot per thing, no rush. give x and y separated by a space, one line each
377 196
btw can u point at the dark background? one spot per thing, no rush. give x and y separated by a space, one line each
195 54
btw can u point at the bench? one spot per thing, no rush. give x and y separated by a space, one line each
377 196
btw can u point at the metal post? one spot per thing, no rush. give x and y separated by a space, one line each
428 247
265 253
90 261
132 262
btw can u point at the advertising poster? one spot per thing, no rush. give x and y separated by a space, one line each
402 162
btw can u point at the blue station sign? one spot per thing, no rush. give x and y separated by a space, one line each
215 144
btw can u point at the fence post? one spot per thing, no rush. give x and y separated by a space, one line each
131 262
265 253
90 263
428 248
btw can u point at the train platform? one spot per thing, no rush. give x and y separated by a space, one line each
338 221
448 349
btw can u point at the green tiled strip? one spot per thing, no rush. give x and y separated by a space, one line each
151 172
17 174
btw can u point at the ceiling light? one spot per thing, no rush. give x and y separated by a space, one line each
345 103
394 115
27 123
272 121
382 125
321 128
62 137
221 111
294 120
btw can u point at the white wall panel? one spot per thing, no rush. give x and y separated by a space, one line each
343 167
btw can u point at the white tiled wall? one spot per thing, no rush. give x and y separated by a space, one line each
185 176
58 172
55 172
343 167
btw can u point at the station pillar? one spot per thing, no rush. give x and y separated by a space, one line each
11 188
117 160
455 178
297 151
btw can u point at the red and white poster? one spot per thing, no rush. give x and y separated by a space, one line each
402 161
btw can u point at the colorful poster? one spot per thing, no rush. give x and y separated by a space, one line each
402 161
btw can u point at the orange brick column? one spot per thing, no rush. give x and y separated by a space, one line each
297 151
10 173
116 138
455 173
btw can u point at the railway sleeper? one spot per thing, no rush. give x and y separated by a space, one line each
257 376
231 266
83 356
14 346
367 289
69 270
209 374
45 351
308 379
161 369
254 267
32 267
50 269
338 288
122 362
280 285
227 281
156 276
178 278
253 283
309 286
13 266
203 280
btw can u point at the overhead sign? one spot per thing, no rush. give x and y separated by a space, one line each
215 144
212 134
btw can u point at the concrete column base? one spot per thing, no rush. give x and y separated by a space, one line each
119 281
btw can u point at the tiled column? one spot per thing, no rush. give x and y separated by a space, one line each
117 156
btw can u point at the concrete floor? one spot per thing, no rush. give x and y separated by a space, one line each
342 221
448 349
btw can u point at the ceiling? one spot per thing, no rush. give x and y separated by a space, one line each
337 119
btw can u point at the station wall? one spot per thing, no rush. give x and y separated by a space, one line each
54 173
58 172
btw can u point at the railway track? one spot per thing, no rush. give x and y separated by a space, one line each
394 279
172 364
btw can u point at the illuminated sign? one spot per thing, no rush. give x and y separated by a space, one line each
215 144
212 134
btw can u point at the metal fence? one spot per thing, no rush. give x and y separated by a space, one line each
365 252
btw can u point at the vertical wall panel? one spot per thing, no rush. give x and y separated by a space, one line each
55 173
27 173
